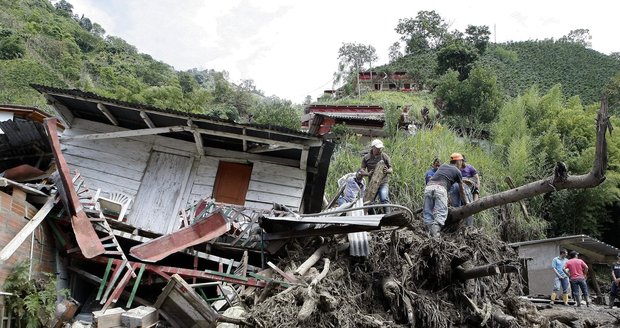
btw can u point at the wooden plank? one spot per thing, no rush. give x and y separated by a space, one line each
284 171
185 307
5 182
271 198
110 178
154 206
271 188
103 109
88 127
85 234
303 161
63 112
147 119
206 229
208 167
374 182
14 244
127 156
99 166
127 133
230 154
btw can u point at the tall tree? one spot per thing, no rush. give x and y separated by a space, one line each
457 56
478 36
394 52
426 31
352 58
580 36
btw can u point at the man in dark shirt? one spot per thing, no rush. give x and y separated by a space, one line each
436 194
370 161
615 283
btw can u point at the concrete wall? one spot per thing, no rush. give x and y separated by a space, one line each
540 274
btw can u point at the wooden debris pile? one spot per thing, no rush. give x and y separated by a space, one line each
462 278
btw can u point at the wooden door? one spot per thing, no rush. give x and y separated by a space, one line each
157 202
231 182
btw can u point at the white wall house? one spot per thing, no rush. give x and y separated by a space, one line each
167 160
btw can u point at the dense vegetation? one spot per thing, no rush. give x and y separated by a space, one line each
48 44
514 109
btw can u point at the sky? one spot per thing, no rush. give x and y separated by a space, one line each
290 48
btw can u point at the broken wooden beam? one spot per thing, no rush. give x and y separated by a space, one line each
202 231
14 244
184 308
85 234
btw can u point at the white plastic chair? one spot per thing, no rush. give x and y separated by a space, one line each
116 203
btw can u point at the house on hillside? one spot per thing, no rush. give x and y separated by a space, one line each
367 121
384 81
363 120
167 160
540 253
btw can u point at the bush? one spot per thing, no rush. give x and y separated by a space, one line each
11 45
35 299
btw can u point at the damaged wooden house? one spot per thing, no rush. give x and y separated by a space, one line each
137 198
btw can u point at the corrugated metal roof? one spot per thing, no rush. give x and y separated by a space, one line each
22 142
377 117
89 96
583 241
365 220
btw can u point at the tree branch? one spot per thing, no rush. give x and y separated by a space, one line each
590 180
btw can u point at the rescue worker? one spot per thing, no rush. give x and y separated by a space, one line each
435 209
370 161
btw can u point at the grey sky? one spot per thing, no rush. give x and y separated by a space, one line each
290 48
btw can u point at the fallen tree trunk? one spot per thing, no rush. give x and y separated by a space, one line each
476 272
553 183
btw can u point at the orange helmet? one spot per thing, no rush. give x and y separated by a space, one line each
456 157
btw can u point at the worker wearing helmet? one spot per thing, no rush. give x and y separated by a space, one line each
436 193
370 161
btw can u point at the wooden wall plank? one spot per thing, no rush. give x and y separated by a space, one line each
263 197
155 205
113 179
102 156
103 167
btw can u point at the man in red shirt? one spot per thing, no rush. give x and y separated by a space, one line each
577 271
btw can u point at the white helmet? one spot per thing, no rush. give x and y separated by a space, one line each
377 143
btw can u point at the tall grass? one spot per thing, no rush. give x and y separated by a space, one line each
412 156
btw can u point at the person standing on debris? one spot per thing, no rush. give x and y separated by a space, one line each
429 174
561 279
471 182
577 271
354 187
370 161
615 283
436 194
470 172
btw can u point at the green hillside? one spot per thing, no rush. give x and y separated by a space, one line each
580 71
49 44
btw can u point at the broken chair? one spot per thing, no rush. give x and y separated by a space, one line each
115 204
